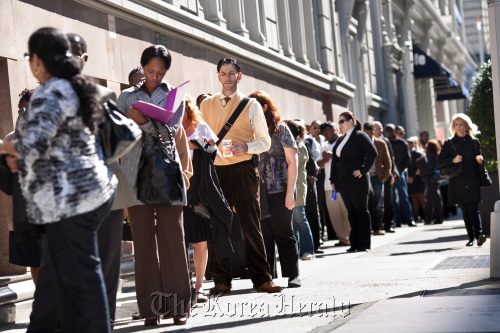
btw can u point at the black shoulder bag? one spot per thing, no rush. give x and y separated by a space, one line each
159 180
483 173
117 133
452 170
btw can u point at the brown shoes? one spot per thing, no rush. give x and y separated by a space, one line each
378 232
220 288
269 287
180 320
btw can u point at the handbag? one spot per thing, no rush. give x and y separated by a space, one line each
452 170
159 180
117 132
265 209
5 176
484 177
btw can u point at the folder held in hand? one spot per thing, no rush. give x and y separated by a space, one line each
174 99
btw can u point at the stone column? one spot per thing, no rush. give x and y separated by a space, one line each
285 29
234 13
426 105
410 107
326 38
298 31
213 12
255 21
311 35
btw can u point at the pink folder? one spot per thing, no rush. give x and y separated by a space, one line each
174 99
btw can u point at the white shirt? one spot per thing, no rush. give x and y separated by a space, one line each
259 125
202 131
317 148
342 144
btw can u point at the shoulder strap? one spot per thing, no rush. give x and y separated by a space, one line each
227 126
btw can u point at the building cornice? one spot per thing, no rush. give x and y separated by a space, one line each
165 18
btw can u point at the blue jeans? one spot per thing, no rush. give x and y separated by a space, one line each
403 204
377 202
73 249
302 230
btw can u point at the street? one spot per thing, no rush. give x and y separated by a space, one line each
421 279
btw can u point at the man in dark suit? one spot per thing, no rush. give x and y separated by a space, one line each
379 173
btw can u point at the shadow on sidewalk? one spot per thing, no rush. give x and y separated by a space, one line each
423 251
438 240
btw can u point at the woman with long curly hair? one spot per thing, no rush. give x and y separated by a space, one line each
279 168
465 189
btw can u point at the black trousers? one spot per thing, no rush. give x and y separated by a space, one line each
434 203
472 219
278 231
45 313
312 213
388 204
359 219
240 185
323 210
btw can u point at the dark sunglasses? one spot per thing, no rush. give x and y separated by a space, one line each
342 121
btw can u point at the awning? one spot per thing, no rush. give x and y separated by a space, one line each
445 86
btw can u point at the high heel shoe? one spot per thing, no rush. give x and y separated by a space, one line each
180 320
152 321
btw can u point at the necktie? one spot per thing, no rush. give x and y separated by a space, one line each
227 99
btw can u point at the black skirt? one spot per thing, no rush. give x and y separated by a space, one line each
196 228
27 254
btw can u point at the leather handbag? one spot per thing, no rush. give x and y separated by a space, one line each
452 170
265 209
484 177
117 133
159 181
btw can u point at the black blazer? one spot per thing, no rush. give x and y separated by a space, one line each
466 187
357 154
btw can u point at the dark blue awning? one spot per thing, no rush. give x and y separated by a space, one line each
445 86
426 67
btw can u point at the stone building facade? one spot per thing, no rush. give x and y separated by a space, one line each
316 58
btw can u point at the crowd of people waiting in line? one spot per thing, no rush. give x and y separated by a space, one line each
329 180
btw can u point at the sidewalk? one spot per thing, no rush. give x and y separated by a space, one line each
419 279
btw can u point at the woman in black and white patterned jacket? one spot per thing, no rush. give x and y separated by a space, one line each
64 179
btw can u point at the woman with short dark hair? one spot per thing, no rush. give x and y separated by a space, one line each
159 248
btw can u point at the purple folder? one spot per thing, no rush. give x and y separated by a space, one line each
174 99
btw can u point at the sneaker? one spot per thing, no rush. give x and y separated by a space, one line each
294 283
307 256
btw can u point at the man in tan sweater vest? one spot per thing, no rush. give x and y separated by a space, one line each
238 177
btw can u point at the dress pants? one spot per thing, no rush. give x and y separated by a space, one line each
277 231
376 200
339 216
359 218
160 261
240 184
434 203
472 219
312 213
71 259
388 204
45 314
